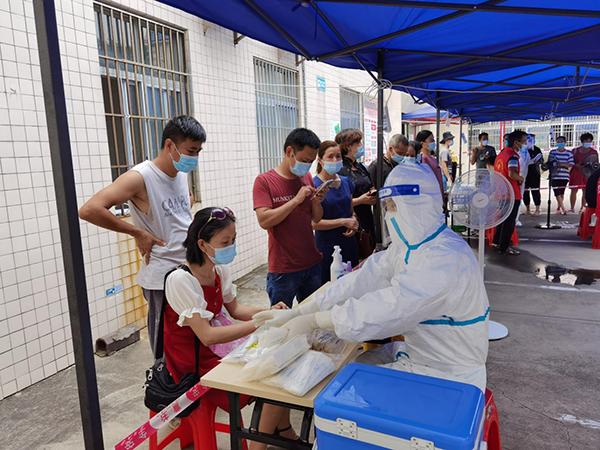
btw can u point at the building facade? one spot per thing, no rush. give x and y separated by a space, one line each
128 67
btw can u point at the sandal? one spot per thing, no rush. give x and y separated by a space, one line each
494 245
510 251
277 432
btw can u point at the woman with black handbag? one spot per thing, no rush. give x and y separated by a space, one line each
196 292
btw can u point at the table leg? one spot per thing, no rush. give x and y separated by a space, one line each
306 424
235 421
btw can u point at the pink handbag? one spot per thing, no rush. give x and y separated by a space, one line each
222 350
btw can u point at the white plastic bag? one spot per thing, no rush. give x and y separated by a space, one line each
245 352
303 374
271 337
275 359
327 341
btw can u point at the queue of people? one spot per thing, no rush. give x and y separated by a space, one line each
189 288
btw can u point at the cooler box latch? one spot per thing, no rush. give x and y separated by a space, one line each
421 444
347 428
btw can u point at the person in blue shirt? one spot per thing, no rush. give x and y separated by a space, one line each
339 223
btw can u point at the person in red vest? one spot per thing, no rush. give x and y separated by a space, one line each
507 163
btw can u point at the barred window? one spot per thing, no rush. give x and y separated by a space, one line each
350 109
144 83
276 110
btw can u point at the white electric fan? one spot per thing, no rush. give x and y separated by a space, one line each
482 199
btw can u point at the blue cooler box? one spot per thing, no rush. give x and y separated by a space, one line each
367 407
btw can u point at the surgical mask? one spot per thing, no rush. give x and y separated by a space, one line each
451 143
300 168
409 159
398 158
186 163
486 142
332 167
223 255
432 146
506 143
360 154
587 144
560 144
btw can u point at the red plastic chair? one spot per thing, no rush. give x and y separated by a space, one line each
585 229
596 239
489 235
199 428
491 426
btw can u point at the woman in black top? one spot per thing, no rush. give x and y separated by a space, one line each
350 142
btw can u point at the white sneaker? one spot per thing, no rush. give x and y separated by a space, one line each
519 224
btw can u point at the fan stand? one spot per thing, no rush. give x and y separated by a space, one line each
496 330
548 225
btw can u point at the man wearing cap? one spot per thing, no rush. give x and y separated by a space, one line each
446 159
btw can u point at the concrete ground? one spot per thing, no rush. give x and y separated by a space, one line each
544 375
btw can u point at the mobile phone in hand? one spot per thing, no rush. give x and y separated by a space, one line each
325 184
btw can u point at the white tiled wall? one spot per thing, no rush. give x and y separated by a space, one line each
35 335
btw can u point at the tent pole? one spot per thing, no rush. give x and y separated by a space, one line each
68 219
460 143
437 129
380 94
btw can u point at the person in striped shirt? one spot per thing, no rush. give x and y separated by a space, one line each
563 162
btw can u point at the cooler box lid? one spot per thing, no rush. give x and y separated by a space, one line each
400 406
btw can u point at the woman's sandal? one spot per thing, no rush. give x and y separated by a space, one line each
277 432
511 252
494 245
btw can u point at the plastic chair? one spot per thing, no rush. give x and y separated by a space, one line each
491 426
199 428
585 229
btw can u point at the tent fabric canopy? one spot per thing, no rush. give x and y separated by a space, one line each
427 112
428 48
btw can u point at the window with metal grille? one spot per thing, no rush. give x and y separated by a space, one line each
276 110
350 109
144 83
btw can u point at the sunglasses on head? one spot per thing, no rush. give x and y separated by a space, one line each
217 214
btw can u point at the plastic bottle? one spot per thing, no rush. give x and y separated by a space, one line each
348 267
337 266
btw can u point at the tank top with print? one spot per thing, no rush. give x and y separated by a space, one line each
169 217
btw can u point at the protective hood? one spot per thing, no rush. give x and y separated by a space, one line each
411 203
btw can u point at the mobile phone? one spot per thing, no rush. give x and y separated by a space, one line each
373 193
323 186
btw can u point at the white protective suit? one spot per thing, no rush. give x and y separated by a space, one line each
431 290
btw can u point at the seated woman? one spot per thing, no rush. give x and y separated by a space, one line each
196 292
338 225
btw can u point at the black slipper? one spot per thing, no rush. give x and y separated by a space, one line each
510 251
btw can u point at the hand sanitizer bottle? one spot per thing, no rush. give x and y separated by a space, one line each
337 266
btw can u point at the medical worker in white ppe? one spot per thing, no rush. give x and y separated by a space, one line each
425 286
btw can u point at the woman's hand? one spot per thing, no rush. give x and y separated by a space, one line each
367 199
351 224
280 305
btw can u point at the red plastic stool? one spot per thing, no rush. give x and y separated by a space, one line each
199 428
491 426
596 238
489 235
585 229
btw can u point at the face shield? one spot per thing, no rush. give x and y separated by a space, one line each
411 205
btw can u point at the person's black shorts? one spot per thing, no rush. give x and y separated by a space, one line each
559 187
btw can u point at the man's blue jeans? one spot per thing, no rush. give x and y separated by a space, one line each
283 287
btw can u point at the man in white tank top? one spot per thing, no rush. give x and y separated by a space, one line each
160 202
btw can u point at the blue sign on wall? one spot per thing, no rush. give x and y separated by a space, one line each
320 84
114 290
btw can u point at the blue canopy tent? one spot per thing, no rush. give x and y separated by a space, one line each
394 40
424 113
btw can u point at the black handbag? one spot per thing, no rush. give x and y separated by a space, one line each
160 390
